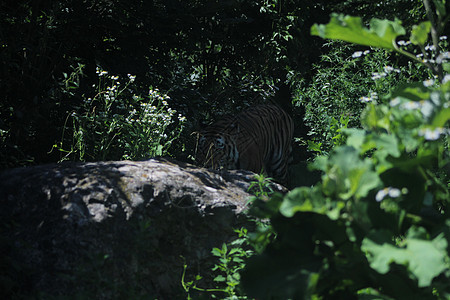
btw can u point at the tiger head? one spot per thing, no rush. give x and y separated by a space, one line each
216 151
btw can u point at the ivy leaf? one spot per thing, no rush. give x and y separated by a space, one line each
382 33
419 33
425 259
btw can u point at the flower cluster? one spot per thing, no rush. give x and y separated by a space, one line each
373 97
433 134
101 72
386 71
125 123
388 191
360 53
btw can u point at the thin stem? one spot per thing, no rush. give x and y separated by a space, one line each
435 38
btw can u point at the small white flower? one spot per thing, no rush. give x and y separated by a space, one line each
430 47
446 78
410 105
357 54
442 37
376 75
428 83
381 194
389 191
403 43
388 69
394 193
394 102
131 77
365 99
431 135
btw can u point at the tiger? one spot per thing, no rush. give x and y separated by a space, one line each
258 139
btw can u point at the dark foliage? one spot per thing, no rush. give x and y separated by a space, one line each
211 57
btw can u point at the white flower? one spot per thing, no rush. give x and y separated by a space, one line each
446 78
389 191
101 73
410 105
357 54
376 76
365 99
388 69
428 83
430 47
394 102
403 43
131 77
443 57
431 135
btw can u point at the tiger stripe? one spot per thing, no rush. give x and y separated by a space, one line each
258 139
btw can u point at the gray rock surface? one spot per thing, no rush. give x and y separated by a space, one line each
114 230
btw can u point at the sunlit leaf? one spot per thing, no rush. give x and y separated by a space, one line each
425 259
306 199
382 33
412 91
419 33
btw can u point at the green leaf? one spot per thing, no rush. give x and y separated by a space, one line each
216 252
440 8
419 33
382 33
355 137
442 117
219 278
415 91
425 259
388 143
348 175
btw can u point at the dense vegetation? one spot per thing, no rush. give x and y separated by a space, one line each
105 80
201 54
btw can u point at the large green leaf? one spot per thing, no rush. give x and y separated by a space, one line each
424 258
347 174
382 33
305 199
415 91
419 33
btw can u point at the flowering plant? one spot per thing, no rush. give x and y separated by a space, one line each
116 123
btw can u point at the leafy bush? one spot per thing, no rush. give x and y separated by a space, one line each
377 225
118 124
231 260
346 78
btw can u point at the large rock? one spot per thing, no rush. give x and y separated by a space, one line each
114 229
